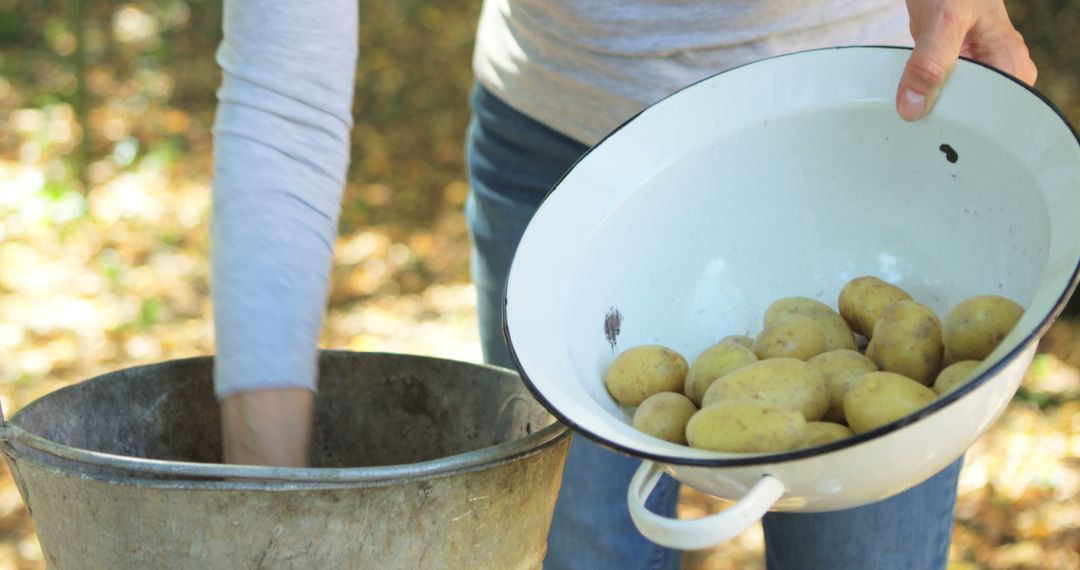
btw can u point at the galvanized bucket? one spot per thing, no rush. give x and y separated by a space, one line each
418 463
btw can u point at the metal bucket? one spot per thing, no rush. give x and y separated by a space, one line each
417 463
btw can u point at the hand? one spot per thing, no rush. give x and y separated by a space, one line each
268 427
946 29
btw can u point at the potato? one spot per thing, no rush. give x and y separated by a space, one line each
837 333
739 339
664 415
954 376
793 336
879 398
785 381
863 299
746 426
907 341
714 362
840 369
820 433
976 326
641 371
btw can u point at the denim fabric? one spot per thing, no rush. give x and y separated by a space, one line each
909 531
513 161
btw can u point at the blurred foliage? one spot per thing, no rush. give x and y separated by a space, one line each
1050 28
115 274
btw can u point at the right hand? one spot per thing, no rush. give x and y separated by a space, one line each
946 29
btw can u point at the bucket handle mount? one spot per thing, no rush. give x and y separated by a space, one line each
6 431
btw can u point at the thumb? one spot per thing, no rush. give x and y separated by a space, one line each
936 51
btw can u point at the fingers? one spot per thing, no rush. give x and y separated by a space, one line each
936 50
945 29
1009 54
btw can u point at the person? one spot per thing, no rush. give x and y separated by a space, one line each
553 77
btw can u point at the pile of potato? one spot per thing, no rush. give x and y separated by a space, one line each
805 381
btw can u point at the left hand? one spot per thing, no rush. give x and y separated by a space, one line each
946 29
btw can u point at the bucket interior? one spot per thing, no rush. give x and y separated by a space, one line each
372 410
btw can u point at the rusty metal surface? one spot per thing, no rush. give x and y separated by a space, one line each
429 464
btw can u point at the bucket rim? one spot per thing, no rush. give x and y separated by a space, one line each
270 479
184 474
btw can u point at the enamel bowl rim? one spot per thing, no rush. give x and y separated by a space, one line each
776 458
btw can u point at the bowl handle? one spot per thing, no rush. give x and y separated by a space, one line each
705 531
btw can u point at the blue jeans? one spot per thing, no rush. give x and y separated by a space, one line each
513 161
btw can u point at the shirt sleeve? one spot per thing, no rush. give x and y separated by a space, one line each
281 151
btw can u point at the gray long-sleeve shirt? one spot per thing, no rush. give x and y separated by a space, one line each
282 128
583 67
281 152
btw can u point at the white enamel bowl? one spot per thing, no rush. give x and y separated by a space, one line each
787 177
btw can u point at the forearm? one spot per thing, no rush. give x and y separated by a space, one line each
281 153
268 427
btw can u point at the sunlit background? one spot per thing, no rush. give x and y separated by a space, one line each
105 160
